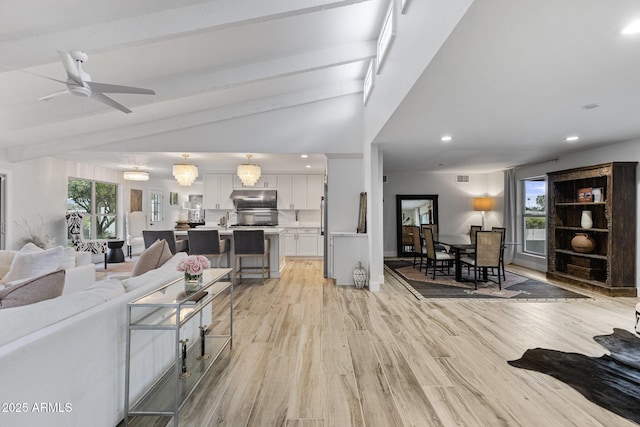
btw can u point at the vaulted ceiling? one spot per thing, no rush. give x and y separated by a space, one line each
280 78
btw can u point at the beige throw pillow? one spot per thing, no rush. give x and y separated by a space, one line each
38 289
152 257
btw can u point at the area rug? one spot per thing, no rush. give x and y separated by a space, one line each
611 381
515 286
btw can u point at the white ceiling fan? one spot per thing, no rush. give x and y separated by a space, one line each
79 82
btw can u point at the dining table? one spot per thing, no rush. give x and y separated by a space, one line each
458 244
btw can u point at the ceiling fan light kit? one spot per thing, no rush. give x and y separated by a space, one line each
249 173
185 173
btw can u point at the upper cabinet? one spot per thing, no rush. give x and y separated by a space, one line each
299 191
592 227
265 181
217 191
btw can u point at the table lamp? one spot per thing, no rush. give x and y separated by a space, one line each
482 204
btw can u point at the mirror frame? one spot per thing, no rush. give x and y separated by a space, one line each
399 199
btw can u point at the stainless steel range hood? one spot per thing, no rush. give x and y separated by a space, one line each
255 199
256 207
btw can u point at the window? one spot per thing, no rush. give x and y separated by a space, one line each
387 33
535 216
98 202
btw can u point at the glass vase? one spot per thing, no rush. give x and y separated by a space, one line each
192 282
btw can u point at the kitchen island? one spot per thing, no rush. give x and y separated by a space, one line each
276 246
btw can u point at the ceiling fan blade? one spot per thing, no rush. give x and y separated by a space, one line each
110 102
70 66
53 95
33 74
109 88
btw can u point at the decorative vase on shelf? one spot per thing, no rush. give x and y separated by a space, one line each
586 220
583 243
359 276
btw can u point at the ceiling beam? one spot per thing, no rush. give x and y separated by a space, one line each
20 52
95 139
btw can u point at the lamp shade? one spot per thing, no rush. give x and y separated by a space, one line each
136 175
482 203
249 174
185 173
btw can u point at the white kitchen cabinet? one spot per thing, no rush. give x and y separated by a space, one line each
302 242
299 191
315 191
307 242
217 191
289 238
265 181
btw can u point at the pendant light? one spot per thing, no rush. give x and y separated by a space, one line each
185 173
249 174
136 175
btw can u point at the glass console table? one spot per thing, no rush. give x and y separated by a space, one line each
169 308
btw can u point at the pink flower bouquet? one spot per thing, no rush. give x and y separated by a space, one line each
193 265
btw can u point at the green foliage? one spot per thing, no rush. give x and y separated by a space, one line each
79 198
535 223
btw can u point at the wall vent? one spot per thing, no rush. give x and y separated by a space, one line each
463 178
384 179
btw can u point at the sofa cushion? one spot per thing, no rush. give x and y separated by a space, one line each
33 290
30 262
152 257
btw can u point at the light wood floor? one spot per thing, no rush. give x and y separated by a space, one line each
308 353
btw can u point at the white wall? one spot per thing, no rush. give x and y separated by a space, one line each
455 201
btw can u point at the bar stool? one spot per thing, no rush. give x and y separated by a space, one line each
208 243
250 243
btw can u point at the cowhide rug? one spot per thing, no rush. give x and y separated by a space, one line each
611 381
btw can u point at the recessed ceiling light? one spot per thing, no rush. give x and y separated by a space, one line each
446 138
632 28
307 166
572 138
304 156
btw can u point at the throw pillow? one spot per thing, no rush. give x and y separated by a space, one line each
68 258
33 290
152 257
32 264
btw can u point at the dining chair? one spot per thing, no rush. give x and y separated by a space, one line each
418 247
472 239
434 232
486 255
503 231
407 238
250 243
150 236
435 257
208 243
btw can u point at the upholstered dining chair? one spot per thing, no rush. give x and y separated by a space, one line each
434 232
74 226
208 243
437 259
486 255
150 236
503 231
250 243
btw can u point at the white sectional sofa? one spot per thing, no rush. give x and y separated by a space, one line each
63 360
